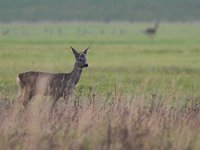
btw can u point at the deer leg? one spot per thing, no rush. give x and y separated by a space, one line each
52 106
22 95
26 97
68 92
55 99
66 98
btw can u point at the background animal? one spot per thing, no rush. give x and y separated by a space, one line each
151 32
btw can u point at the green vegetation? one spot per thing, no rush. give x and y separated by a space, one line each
137 93
120 53
102 10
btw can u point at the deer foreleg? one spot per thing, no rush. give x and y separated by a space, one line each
25 96
68 93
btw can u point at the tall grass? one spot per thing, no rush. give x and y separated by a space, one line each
96 122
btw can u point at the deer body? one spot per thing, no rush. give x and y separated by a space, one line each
55 85
152 31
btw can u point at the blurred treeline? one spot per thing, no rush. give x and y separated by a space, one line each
99 10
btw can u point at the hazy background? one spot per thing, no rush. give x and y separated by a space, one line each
99 10
140 91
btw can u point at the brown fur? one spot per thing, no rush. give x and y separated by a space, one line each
55 85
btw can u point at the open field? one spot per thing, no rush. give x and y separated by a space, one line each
138 93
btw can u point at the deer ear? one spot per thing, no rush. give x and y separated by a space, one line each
74 52
85 51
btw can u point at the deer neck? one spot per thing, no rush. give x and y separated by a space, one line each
75 74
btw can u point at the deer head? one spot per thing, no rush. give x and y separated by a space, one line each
81 61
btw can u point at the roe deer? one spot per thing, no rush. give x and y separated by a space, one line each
152 31
55 85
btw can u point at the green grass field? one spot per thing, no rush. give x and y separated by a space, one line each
120 54
159 77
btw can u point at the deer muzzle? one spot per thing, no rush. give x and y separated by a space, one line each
85 66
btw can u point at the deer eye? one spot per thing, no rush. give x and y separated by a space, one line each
80 59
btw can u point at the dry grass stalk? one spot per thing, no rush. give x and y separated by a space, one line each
87 123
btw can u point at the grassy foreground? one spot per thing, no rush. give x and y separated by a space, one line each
93 123
138 93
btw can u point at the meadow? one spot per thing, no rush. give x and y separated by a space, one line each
137 93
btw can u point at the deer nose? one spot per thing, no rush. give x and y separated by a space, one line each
86 65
